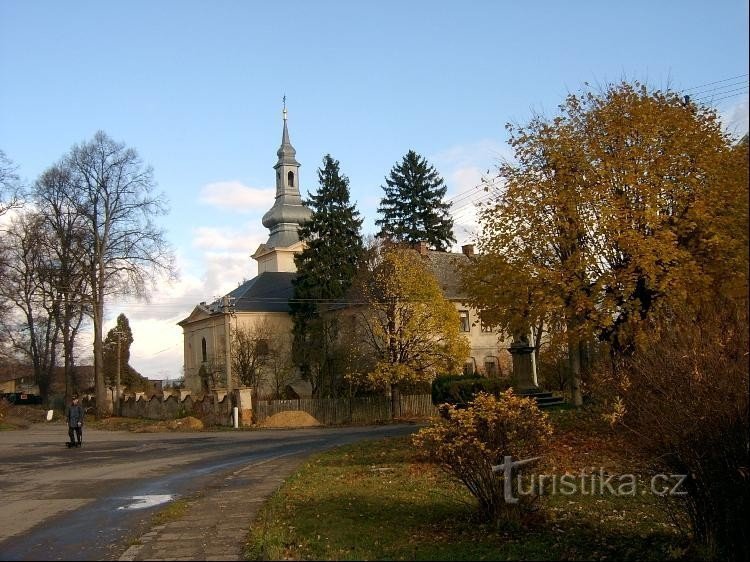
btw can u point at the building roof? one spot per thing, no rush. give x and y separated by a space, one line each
445 267
268 292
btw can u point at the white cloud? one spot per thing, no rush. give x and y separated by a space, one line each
246 237
464 167
735 118
236 197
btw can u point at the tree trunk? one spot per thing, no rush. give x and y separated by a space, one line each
574 364
101 391
395 401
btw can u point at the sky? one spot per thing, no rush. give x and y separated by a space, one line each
196 88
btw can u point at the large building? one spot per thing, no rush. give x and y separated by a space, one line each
261 304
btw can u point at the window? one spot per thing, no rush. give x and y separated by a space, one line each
290 179
490 367
463 316
486 328
203 350
469 367
261 347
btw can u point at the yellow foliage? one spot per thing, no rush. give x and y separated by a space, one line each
467 443
410 326
624 205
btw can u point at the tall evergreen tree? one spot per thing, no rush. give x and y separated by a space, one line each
120 338
325 270
413 209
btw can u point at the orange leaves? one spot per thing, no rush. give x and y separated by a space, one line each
626 202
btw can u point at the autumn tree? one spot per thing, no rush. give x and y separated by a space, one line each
413 208
610 215
409 326
325 271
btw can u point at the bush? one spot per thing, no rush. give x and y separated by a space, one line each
461 389
468 442
684 398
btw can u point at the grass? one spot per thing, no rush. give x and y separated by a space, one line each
175 510
375 500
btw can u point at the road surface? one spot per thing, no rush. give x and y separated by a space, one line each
87 503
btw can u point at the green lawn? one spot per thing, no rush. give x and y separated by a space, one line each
376 501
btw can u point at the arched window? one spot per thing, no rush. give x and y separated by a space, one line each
203 350
290 178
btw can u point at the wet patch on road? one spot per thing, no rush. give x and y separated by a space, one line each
142 502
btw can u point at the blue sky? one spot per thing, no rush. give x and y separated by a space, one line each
196 88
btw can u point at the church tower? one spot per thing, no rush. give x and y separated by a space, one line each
287 214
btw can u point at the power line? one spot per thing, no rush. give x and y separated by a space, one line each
712 83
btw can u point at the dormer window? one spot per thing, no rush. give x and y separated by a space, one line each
290 179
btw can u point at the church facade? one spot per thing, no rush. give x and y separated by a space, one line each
262 303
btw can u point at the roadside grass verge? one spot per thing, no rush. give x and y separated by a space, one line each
375 500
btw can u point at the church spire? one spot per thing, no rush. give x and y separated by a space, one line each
287 213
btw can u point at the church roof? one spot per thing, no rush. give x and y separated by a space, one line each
268 292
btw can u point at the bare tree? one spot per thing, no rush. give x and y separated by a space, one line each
9 185
113 191
67 251
27 285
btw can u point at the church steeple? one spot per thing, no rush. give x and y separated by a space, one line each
287 213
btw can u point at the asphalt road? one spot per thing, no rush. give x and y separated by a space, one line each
84 504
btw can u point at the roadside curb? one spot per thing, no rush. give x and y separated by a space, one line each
216 524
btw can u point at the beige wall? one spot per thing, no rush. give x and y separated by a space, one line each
486 345
213 329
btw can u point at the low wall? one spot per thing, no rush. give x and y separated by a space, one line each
207 408
339 411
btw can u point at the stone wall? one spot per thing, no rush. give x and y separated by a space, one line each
207 408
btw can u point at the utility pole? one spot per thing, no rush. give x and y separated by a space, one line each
227 307
119 335
117 375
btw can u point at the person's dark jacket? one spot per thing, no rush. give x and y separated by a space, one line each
74 414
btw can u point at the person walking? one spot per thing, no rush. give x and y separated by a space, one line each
74 415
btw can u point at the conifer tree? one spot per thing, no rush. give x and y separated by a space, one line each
413 209
121 338
325 270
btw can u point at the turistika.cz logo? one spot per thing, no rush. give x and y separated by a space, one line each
585 483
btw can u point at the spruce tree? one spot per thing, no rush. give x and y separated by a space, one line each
413 209
325 270
121 337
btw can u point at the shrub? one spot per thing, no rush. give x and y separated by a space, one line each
461 389
684 398
467 443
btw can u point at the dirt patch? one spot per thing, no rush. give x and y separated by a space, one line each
20 416
293 418
183 424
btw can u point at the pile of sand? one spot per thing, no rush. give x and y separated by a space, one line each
292 418
183 424
187 423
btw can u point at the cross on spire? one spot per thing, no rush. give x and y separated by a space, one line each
283 99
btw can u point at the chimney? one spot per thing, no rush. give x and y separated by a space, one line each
467 250
421 247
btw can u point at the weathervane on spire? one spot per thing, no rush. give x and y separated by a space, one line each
283 99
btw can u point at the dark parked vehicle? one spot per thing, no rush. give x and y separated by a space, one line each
21 398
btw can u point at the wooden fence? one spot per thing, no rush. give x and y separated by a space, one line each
339 411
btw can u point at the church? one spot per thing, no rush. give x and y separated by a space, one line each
262 303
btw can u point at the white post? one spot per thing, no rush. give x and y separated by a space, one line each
236 417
